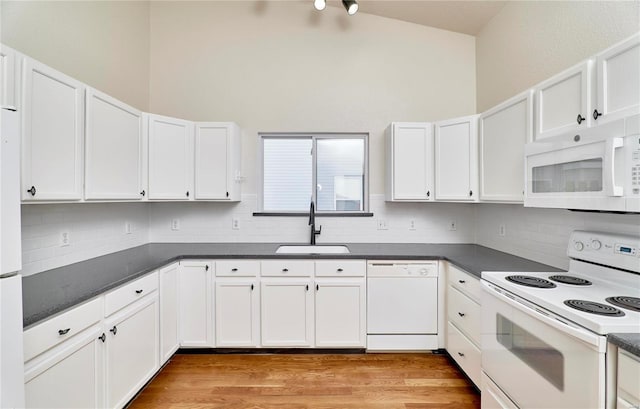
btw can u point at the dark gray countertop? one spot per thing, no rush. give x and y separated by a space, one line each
52 291
628 342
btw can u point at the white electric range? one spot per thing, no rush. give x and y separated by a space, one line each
544 334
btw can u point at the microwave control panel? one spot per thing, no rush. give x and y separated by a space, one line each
633 149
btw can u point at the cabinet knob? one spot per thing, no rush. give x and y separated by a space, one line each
143 193
461 314
428 193
317 287
580 118
187 193
32 190
307 287
234 269
227 194
284 270
102 337
460 353
596 114
206 268
64 331
470 193
139 291
114 330
251 287
462 281
340 270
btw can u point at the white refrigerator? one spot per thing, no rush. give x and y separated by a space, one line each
11 350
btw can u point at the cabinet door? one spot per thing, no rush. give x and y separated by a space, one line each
168 312
340 312
9 78
68 376
410 146
195 318
170 158
217 161
504 130
114 149
618 81
132 350
52 129
563 102
457 159
237 313
286 313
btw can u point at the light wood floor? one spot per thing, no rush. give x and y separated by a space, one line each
318 381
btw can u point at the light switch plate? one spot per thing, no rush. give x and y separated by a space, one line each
65 238
175 224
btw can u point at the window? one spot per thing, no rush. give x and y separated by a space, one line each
330 169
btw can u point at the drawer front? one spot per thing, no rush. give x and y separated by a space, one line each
60 328
464 353
341 268
287 268
237 268
464 313
465 282
628 376
125 295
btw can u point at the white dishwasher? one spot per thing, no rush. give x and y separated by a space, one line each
402 305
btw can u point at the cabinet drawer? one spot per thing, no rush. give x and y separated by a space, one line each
628 375
237 268
287 268
464 353
125 295
55 330
341 268
465 313
464 282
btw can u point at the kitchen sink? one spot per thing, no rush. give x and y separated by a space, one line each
307 249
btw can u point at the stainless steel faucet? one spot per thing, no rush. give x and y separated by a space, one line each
312 223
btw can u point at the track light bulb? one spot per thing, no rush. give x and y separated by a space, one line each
319 4
351 6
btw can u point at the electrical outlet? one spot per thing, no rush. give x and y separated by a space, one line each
502 230
235 224
382 224
65 238
175 224
127 228
412 224
453 225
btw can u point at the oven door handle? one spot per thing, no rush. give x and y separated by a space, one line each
609 176
599 343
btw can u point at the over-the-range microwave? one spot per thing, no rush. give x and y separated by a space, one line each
594 169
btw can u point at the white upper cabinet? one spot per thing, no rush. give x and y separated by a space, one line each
409 161
52 131
170 158
504 130
217 161
9 75
114 151
456 159
618 81
564 101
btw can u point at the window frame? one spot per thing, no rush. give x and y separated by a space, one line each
314 136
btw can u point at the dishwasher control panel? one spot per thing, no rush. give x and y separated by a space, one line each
426 269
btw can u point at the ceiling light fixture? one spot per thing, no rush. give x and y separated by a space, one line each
351 6
319 4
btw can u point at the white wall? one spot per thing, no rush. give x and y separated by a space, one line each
94 229
529 41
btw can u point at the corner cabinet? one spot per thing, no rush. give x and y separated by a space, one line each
217 161
170 158
114 149
456 159
52 134
409 162
9 78
504 130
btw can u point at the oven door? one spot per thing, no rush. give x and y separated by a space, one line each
538 360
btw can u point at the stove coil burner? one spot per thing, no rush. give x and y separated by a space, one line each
530 281
594 308
570 280
631 303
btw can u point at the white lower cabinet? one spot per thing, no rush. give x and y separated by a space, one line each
195 318
132 350
169 341
286 312
340 313
628 388
237 312
69 375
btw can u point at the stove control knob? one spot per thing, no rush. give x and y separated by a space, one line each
596 244
578 245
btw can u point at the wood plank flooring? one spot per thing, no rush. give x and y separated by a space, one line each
308 381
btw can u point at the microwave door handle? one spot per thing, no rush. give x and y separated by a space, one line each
609 182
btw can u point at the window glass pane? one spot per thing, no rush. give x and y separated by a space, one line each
340 174
579 176
287 174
